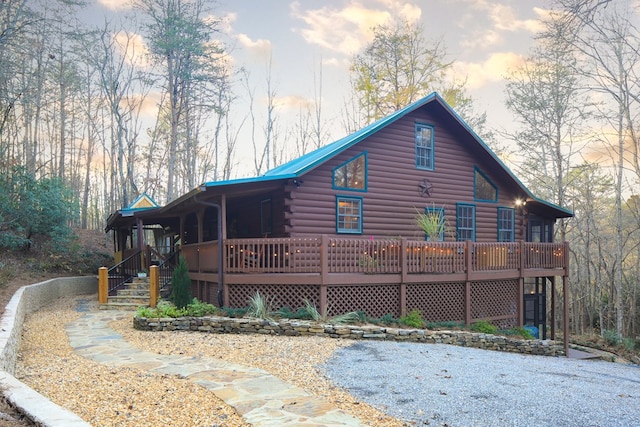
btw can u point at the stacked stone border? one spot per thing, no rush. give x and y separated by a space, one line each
226 325
25 301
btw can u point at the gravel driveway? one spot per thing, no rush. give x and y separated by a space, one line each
441 385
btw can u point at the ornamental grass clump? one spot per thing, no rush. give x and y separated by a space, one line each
261 307
316 316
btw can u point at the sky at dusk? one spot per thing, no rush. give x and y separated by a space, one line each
485 38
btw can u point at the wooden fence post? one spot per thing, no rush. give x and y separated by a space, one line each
103 285
154 286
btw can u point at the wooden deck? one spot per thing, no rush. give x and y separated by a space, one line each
325 258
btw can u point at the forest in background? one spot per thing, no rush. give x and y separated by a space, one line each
74 147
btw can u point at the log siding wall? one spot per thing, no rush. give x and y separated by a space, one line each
392 196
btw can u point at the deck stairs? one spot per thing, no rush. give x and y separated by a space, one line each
135 294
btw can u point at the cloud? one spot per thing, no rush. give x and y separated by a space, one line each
116 4
258 47
293 102
494 21
133 47
494 69
150 104
348 29
226 22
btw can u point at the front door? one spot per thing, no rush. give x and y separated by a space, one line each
539 230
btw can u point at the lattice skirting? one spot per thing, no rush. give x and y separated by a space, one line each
438 302
375 300
291 296
495 298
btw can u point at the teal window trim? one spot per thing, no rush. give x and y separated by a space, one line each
348 215
476 171
465 222
430 210
506 224
365 180
425 154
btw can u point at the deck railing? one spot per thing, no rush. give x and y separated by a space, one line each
382 256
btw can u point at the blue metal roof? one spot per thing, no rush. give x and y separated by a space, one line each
315 158
297 167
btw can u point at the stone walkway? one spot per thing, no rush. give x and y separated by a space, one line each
262 399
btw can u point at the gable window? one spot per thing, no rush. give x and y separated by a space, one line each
349 215
506 225
351 175
483 189
465 222
424 146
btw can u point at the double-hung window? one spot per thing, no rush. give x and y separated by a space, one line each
465 222
506 225
424 146
349 215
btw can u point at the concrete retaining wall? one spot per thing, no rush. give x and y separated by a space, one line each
227 325
25 301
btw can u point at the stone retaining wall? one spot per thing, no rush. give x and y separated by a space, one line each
225 325
25 301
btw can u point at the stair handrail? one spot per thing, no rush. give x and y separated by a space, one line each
122 272
165 269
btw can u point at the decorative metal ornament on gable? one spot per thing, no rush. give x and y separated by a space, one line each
425 188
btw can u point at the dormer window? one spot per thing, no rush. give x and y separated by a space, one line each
351 175
424 146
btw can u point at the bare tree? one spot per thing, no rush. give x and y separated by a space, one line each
607 42
179 37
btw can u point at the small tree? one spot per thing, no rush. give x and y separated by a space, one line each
181 284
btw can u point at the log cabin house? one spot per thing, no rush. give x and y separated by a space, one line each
337 227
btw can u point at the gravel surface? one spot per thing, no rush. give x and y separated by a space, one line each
440 385
106 396
384 384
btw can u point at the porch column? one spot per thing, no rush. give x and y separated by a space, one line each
223 219
140 233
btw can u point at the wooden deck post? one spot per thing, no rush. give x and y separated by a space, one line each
154 286
404 268
103 285
521 301
324 272
565 297
467 284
